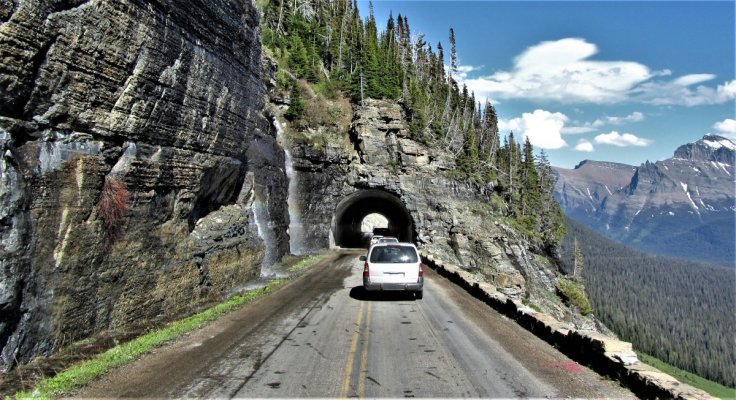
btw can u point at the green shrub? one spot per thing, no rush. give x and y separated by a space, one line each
528 224
319 112
328 88
573 293
297 106
497 203
282 79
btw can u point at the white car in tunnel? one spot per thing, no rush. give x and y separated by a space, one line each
374 240
393 266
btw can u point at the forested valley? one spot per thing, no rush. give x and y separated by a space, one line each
678 311
325 49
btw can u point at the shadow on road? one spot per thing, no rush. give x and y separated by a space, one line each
359 293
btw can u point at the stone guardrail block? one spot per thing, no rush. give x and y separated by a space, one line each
606 355
601 343
659 384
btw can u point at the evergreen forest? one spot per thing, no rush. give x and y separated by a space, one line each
328 45
679 311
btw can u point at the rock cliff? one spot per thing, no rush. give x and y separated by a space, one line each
134 154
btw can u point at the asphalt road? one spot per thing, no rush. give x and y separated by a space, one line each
323 336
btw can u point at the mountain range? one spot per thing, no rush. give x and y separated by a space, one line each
682 206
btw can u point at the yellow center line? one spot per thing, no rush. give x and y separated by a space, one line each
364 354
351 354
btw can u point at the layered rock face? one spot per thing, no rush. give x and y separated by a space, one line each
381 169
134 153
682 206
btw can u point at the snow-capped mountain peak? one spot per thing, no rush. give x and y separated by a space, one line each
709 148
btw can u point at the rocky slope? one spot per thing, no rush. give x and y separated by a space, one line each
682 206
161 101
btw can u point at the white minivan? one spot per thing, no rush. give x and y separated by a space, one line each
393 266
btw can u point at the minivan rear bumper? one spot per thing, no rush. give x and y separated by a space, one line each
412 287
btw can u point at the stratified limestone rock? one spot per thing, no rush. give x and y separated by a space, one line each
163 97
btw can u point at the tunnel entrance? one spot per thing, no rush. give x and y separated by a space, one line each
348 221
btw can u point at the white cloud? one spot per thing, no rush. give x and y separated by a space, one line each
593 126
726 128
677 93
633 117
542 127
625 140
728 89
584 145
576 130
464 70
692 79
562 71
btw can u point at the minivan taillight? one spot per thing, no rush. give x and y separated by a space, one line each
365 270
421 270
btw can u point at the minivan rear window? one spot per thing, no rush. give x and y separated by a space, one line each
394 254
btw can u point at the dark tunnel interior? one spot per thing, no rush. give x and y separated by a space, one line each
351 210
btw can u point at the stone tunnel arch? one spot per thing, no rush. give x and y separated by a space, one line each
349 213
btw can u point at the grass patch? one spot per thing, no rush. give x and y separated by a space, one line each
713 388
307 262
87 371
541 260
527 302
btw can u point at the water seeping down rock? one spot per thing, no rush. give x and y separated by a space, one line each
160 103
136 153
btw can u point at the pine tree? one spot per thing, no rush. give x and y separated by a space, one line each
552 224
296 104
511 160
531 201
453 55
491 142
578 261
299 60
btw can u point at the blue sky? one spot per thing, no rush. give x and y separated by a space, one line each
623 81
